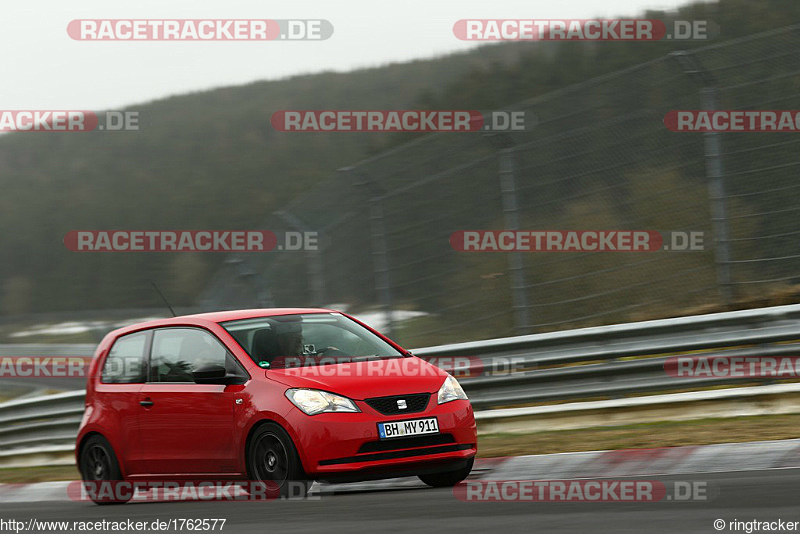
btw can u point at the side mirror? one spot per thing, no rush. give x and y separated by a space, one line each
210 374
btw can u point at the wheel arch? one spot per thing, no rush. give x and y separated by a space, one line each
260 423
82 443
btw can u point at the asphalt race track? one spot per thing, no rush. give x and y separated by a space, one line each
746 496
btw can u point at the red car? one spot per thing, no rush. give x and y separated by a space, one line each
282 395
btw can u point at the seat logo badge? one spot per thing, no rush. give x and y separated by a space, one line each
401 404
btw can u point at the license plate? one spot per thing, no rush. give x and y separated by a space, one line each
412 427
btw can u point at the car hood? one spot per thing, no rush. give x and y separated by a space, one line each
363 380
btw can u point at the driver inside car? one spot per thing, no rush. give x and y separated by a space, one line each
290 338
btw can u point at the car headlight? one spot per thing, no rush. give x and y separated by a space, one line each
451 390
314 401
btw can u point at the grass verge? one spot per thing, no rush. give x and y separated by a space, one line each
26 475
643 436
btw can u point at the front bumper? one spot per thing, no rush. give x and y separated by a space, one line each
336 446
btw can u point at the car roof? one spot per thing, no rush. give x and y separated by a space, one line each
216 317
233 315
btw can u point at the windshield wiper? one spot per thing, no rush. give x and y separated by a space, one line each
373 357
364 358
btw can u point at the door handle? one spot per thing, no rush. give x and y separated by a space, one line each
146 403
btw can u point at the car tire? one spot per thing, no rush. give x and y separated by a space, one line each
448 479
98 463
272 458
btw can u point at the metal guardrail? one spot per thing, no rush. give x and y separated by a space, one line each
48 423
588 363
609 361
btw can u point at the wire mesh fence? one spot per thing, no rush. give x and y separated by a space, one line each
599 158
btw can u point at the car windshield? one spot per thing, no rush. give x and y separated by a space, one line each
307 339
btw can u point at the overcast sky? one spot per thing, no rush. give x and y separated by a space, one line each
44 69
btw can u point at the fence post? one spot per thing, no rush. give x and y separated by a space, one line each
251 277
516 264
380 252
314 269
718 199
714 173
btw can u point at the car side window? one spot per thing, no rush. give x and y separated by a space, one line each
125 361
177 352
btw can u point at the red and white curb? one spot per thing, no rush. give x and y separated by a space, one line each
726 457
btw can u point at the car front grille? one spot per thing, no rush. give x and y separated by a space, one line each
415 403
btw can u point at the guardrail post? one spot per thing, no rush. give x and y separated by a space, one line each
516 264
